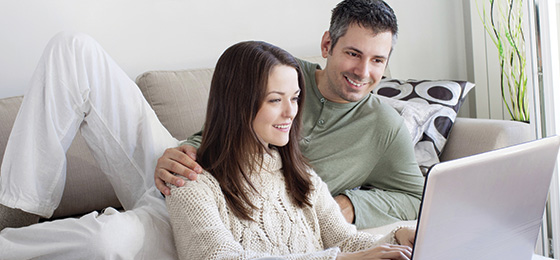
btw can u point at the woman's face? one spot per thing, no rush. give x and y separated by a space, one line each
274 119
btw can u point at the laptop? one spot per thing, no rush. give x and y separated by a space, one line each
486 206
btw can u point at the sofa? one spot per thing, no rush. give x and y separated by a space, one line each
179 100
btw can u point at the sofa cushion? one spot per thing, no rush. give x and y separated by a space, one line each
178 98
476 135
429 109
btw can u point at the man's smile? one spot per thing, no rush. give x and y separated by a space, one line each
354 83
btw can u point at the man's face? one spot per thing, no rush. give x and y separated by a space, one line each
356 63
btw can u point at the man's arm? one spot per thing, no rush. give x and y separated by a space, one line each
346 207
393 190
374 208
179 160
182 160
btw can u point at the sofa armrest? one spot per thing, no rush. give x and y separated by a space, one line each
472 136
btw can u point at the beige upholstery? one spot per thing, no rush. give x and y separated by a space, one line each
179 100
178 97
471 136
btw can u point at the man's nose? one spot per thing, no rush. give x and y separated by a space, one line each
362 69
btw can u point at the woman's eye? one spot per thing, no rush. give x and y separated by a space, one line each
295 99
276 100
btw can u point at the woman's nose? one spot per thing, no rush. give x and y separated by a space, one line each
291 109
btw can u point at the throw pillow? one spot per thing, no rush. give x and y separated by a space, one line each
429 109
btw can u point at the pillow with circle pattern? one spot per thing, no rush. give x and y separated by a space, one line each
429 108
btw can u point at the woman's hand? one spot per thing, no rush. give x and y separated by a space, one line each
179 160
405 236
387 251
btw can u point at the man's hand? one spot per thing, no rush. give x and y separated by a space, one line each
180 160
405 236
346 207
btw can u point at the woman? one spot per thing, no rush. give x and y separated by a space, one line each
258 197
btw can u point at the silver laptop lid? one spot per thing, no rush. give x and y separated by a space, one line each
486 206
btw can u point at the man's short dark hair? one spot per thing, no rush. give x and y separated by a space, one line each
371 14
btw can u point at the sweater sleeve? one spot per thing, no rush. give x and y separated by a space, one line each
201 230
336 232
198 229
393 190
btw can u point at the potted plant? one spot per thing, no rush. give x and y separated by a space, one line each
503 20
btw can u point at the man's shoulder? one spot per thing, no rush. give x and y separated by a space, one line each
381 110
307 66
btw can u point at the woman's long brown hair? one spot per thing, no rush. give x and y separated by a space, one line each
230 149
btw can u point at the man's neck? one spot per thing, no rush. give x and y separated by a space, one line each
320 79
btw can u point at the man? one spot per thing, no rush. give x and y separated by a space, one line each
358 146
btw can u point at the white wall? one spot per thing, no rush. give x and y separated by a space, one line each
146 35
431 40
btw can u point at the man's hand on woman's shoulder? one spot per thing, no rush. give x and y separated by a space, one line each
178 160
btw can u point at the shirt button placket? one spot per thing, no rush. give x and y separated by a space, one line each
321 122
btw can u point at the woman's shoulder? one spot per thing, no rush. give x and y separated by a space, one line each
315 179
316 182
204 181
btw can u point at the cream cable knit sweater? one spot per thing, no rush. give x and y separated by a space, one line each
204 227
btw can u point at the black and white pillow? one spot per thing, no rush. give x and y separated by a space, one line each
429 108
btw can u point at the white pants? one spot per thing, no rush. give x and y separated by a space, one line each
77 86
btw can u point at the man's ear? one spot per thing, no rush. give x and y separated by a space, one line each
325 44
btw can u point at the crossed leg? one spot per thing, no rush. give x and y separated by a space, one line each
77 86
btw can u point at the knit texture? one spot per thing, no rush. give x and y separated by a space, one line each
205 228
